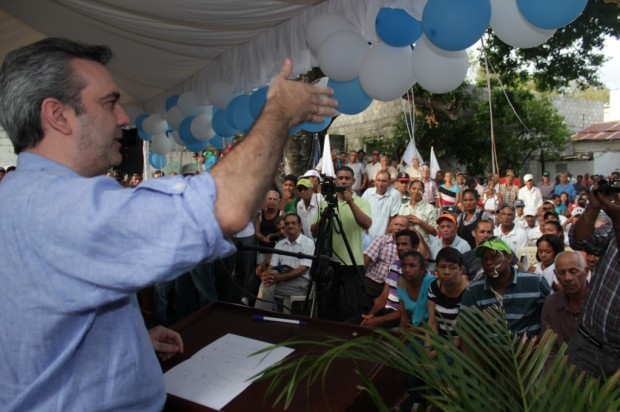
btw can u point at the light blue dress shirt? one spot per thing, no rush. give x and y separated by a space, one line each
73 253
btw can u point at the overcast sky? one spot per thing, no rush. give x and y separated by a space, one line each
610 72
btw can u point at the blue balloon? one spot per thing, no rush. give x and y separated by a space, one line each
455 24
352 99
220 125
230 111
197 147
551 14
157 161
242 116
144 135
316 127
171 101
139 120
257 101
218 142
185 131
396 27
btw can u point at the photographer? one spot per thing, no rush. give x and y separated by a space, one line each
354 214
596 348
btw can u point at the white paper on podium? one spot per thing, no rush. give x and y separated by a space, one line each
220 371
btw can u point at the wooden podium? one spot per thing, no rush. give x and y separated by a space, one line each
338 392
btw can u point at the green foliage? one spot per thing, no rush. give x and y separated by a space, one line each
574 53
500 372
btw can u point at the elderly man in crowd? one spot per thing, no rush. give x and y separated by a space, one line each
565 186
421 215
546 186
446 228
561 310
79 342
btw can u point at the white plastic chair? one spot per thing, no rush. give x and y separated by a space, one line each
529 252
289 300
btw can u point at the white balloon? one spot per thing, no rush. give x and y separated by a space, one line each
201 127
188 104
174 117
161 143
513 29
386 72
133 112
155 124
437 70
220 94
203 98
177 138
321 26
341 54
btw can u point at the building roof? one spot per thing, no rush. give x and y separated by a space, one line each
600 132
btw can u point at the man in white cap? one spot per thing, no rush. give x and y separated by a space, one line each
315 178
530 194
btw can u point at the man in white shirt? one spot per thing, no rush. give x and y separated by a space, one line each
359 173
286 275
512 234
530 194
372 168
384 203
446 228
308 206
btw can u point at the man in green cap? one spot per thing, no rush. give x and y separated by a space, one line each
520 294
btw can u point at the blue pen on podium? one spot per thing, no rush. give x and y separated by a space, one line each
278 320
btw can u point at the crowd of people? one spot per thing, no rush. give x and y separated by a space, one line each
404 247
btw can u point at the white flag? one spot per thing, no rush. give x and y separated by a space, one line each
410 152
434 164
327 167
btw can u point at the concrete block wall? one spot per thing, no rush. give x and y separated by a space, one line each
7 155
579 114
376 120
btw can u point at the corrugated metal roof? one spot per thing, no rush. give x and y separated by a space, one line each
605 131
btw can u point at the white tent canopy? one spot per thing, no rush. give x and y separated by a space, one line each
165 47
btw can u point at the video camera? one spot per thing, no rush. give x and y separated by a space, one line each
608 186
329 189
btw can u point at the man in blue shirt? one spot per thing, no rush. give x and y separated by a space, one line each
565 186
73 336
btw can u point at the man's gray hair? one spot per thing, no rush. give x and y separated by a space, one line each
33 73
581 262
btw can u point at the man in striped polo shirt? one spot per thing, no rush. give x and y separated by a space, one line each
520 294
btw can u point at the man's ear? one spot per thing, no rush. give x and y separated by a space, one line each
55 116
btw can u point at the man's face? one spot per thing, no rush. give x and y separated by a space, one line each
385 162
439 175
288 186
272 200
531 220
344 178
506 217
403 244
401 185
416 191
449 273
343 157
529 184
305 193
545 179
375 158
397 224
292 227
314 180
361 156
571 276
563 178
519 210
411 268
98 128
483 232
446 228
382 181
353 157
494 261
426 172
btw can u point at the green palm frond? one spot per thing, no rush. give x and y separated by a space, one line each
499 371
